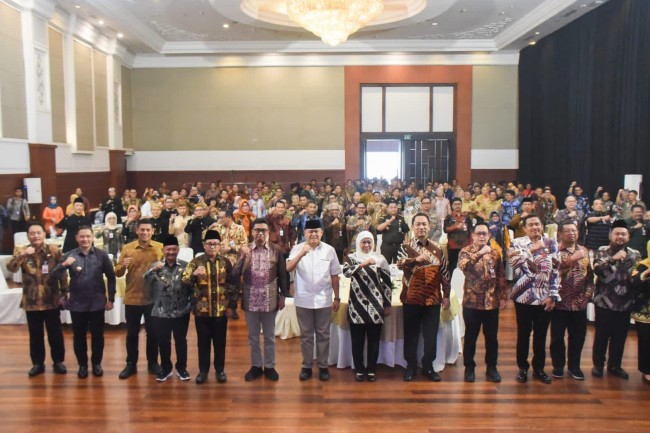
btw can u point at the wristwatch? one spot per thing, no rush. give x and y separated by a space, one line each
337 299
555 298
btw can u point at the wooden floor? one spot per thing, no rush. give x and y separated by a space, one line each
51 403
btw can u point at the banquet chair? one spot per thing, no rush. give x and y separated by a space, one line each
20 238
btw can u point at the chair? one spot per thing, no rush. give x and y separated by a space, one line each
20 238
186 254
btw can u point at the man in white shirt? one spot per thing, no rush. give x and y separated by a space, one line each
317 277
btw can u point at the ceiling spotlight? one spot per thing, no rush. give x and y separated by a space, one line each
226 26
77 6
100 22
536 33
583 6
532 43
120 35
434 24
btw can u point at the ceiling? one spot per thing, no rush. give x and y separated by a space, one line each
184 27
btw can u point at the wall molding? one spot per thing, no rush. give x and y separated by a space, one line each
495 159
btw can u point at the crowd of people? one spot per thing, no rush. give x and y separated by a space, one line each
247 240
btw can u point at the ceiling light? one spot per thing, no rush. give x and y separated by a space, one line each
100 22
77 6
434 24
226 26
333 20
532 43
120 35
536 33
583 6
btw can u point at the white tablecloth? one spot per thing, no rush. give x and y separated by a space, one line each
391 349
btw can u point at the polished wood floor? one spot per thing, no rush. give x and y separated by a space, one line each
52 404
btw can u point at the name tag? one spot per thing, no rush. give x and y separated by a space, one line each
110 235
281 232
45 269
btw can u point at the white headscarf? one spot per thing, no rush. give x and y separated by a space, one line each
110 226
360 256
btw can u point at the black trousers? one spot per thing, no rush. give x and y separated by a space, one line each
575 323
611 328
426 319
643 333
52 321
531 318
358 334
389 251
18 226
81 322
164 329
452 254
133 314
211 331
473 321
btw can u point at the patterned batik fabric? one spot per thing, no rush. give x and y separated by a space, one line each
536 273
576 279
259 300
613 290
423 281
370 292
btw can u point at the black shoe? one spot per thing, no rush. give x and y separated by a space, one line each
618 372
542 377
576 373
470 376
522 376
163 376
432 375
183 374
597 371
154 368
253 374
492 375
128 371
409 375
271 374
98 371
82 373
59 368
359 377
370 377
558 373
201 378
221 377
36 370
323 374
305 374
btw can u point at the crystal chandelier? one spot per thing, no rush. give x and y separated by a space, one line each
333 20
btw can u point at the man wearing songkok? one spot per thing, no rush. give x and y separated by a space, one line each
485 293
425 276
197 226
265 286
214 300
570 314
317 279
136 257
535 292
42 292
171 309
71 223
614 299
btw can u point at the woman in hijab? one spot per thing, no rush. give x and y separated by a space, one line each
244 217
52 215
370 302
641 316
112 235
129 230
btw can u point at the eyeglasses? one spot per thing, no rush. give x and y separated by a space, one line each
481 233
260 230
211 244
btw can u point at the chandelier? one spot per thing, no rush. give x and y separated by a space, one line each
333 20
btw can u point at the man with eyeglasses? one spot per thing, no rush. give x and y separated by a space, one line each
434 231
214 300
485 293
335 232
317 279
265 286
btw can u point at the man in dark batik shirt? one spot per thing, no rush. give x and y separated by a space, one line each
570 314
335 233
614 299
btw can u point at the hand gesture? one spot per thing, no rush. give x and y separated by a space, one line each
244 251
622 254
600 188
28 251
574 183
485 250
108 306
158 266
445 303
126 261
306 248
199 271
69 261
607 218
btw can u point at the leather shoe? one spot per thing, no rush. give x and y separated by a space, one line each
542 377
557 373
253 374
98 371
359 377
470 376
83 372
597 371
370 377
36 370
305 374
522 376
154 368
201 378
59 368
618 372
576 373
323 374
492 375
221 377
129 370
432 375
271 374
408 375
